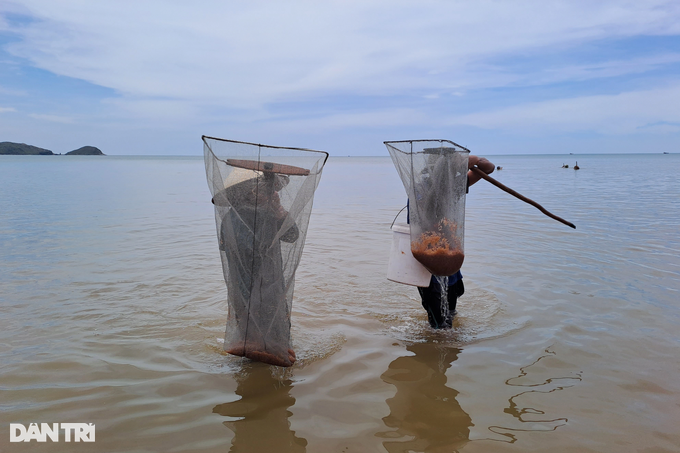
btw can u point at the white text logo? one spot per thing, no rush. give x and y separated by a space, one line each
73 432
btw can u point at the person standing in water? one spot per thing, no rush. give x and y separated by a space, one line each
431 296
251 236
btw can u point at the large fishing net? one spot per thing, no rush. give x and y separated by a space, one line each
434 173
263 200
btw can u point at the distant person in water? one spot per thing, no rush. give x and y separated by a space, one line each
431 296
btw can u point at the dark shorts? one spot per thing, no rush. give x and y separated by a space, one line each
431 299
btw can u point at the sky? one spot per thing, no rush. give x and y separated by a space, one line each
149 77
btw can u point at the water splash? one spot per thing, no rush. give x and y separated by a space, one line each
480 316
444 301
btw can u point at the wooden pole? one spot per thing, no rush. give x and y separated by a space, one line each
483 175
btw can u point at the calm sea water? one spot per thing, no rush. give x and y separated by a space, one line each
112 304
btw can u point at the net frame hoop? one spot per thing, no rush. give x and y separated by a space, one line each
389 142
204 137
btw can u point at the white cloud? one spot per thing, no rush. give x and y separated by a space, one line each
246 54
625 113
7 109
574 72
662 127
52 118
240 67
353 120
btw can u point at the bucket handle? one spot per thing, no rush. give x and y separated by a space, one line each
395 217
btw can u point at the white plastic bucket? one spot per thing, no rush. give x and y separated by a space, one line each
403 267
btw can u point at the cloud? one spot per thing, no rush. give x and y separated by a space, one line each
353 120
558 73
248 54
345 66
7 109
52 118
662 127
623 113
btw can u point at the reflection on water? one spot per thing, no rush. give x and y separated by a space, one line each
522 406
262 413
424 411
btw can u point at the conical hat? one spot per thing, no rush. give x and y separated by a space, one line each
238 175
244 176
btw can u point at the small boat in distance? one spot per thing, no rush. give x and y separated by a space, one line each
576 167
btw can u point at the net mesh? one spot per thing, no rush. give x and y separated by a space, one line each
434 174
263 200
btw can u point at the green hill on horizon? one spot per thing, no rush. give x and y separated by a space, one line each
22 149
86 151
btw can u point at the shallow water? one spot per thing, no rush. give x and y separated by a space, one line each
112 307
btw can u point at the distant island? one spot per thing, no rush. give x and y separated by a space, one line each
22 149
86 151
